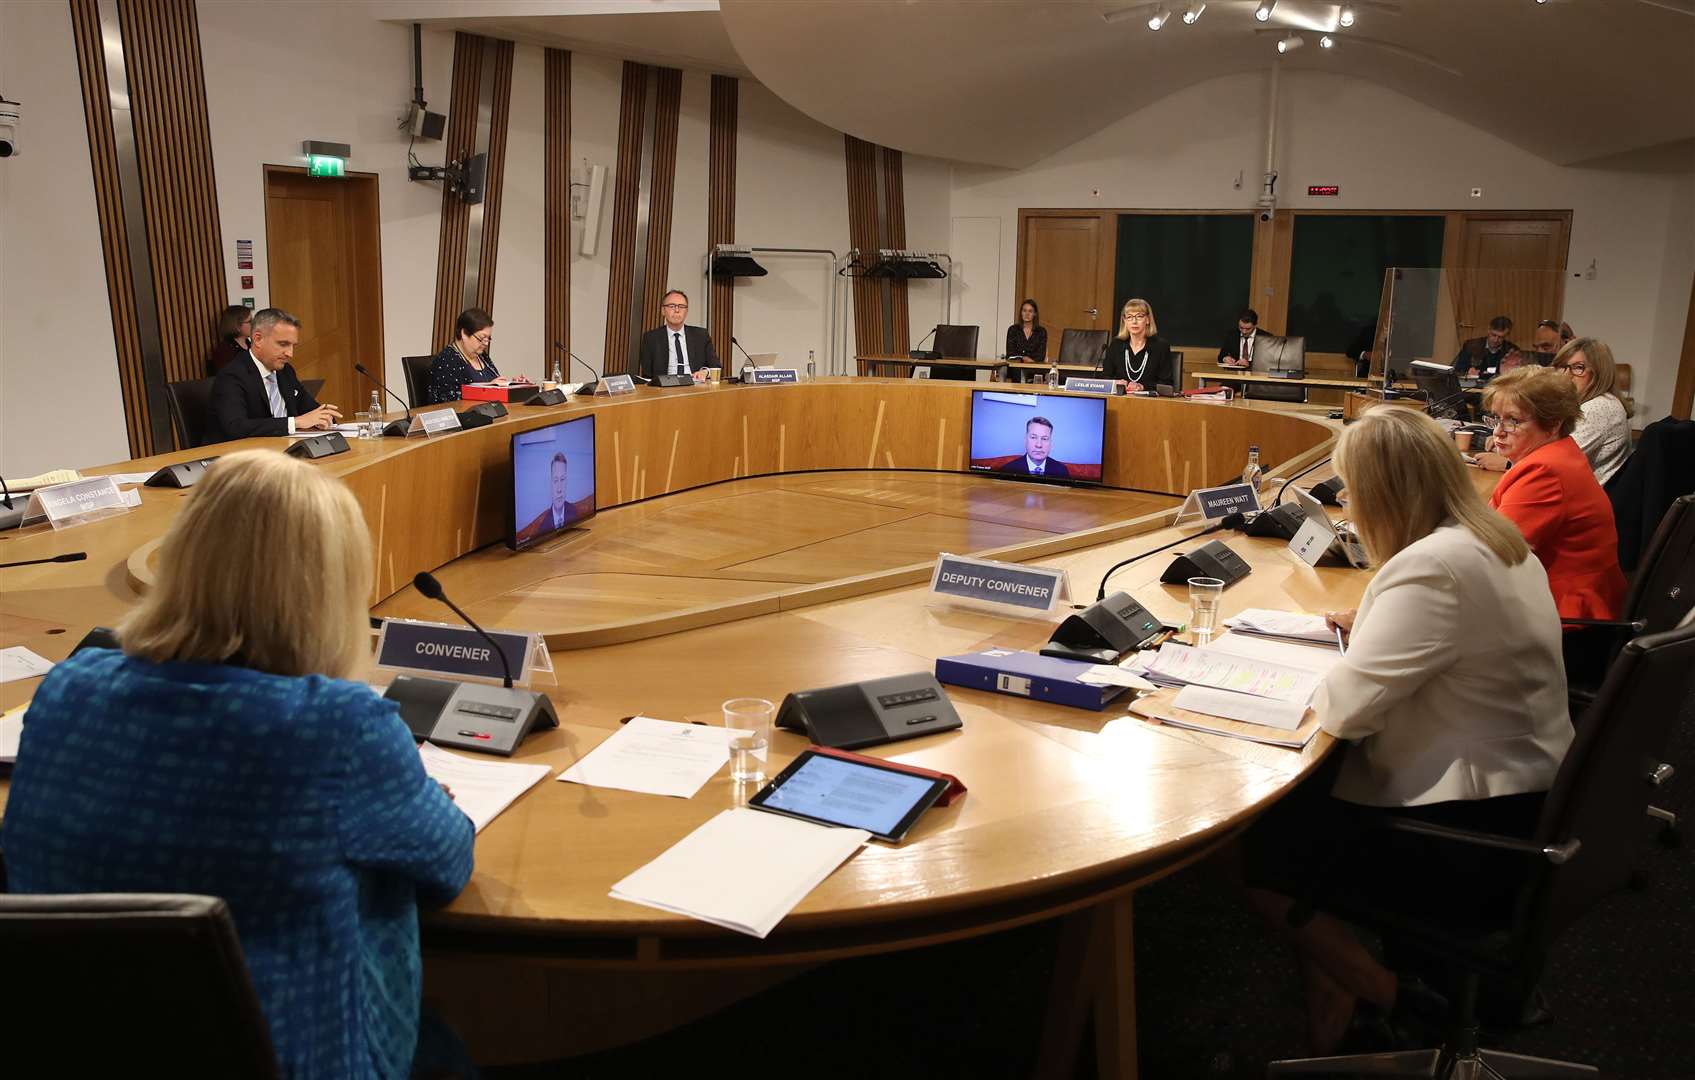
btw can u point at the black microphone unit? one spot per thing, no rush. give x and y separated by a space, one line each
925 354
319 446
750 364
482 414
69 556
397 428
1281 522
1328 491
1105 631
1214 559
1100 593
181 475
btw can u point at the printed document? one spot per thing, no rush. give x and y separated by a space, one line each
656 757
18 662
482 789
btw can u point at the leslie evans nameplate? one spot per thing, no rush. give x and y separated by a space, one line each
1091 386
455 651
999 586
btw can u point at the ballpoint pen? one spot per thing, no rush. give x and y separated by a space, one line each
1340 647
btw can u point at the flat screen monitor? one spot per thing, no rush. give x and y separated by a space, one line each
1056 438
552 480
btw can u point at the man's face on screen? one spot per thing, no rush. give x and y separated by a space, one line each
1037 438
558 485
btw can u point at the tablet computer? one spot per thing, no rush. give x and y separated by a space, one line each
882 800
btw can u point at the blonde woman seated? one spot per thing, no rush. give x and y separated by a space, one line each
1439 726
1603 431
226 752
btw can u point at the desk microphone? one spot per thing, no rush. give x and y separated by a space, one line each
426 583
1232 521
394 427
922 353
750 363
69 556
594 377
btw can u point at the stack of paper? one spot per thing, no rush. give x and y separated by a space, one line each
1287 625
655 757
1181 665
480 788
1241 685
743 870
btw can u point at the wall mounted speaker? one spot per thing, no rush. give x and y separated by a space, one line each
591 213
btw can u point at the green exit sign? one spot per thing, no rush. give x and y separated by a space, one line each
324 165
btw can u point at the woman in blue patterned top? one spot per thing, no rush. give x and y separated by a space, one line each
465 359
225 752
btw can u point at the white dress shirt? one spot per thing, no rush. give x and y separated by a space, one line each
1034 467
1603 434
1435 711
265 375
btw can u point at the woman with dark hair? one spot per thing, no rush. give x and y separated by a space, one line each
235 329
465 359
1027 338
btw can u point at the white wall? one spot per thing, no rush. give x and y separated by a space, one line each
520 334
57 358
688 201
1388 153
595 87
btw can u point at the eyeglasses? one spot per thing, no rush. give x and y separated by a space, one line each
485 340
1574 370
1504 423
675 307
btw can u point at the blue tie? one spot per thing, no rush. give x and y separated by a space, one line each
274 396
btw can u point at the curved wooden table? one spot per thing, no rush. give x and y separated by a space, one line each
1069 811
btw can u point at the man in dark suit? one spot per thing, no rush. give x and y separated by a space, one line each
1239 348
259 394
1480 357
559 513
1038 437
672 348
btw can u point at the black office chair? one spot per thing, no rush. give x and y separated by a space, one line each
312 386
1177 369
1085 347
1583 850
103 984
1661 468
1278 354
957 342
191 411
417 369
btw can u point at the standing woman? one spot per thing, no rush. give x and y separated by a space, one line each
1137 357
235 332
1027 338
1603 432
465 359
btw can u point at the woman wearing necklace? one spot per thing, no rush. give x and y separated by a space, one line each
1027 338
466 359
1137 357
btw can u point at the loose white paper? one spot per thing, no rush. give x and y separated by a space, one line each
482 789
1316 658
1113 675
1180 665
656 757
1295 625
132 477
18 662
11 732
1244 707
743 870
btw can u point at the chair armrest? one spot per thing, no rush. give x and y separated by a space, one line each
1635 626
1554 853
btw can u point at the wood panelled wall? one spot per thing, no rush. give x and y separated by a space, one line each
469 56
876 219
721 207
556 207
179 206
627 297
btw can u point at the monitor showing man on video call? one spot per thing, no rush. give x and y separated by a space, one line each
1052 437
552 479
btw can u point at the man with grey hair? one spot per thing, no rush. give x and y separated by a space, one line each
263 396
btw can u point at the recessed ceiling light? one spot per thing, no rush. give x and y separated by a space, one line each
1263 12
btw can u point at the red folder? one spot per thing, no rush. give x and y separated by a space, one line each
515 394
955 788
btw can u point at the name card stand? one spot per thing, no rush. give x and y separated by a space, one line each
79 502
1092 386
407 646
774 375
434 422
1207 505
615 384
1001 587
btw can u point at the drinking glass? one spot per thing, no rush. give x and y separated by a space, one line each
1204 594
749 721
363 421
374 424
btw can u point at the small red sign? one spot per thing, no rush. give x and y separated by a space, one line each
247 281
1328 190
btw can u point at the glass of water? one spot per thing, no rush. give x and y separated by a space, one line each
374 424
1204 594
749 721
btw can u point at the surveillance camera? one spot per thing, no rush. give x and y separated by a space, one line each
9 112
1266 213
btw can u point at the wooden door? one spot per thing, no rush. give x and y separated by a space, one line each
323 253
1065 263
1512 266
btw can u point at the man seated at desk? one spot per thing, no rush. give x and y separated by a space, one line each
1480 358
673 348
259 394
1038 438
1238 349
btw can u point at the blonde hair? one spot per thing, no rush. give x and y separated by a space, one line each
1145 308
1598 358
1547 395
1404 478
268 565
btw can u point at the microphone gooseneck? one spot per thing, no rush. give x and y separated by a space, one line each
69 556
1100 594
592 373
365 371
426 583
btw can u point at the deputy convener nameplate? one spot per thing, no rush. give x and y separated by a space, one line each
455 651
999 586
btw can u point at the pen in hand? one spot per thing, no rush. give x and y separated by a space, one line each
1340 646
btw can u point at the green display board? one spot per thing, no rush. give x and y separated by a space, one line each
1195 270
1336 273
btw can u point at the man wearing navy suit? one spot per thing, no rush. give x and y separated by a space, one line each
673 348
262 395
1038 437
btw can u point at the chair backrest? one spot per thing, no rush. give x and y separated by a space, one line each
1621 386
1177 369
417 369
312 386
1275 353
1603 787
959 342
107 983
191 411
1660 469
1664 589
1082 346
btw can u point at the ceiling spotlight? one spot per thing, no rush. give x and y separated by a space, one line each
1193 15
1347 16
1291 43
1263 12
1159 17
1326 42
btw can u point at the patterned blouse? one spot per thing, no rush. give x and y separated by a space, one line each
450 371
1035 346
300 801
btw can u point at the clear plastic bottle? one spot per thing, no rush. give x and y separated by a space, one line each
558 373
811 364
1053 374
1253 473
374 423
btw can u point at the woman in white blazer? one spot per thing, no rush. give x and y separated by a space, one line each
1440 727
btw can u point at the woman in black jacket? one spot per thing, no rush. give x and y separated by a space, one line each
1138 357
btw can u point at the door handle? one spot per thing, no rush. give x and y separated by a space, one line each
1092 312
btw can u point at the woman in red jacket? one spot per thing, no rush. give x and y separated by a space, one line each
1551 494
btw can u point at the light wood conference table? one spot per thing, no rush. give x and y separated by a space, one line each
1069 811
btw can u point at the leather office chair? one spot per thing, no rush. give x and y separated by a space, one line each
100 984
1083 347
1583 850
1661 468
312 386
417 369
191 411
958 342
1278 354
1177 369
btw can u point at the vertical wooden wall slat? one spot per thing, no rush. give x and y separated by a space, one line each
458 144
669 86
894 231
626 179
496 175
556 206
863 230
721 206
